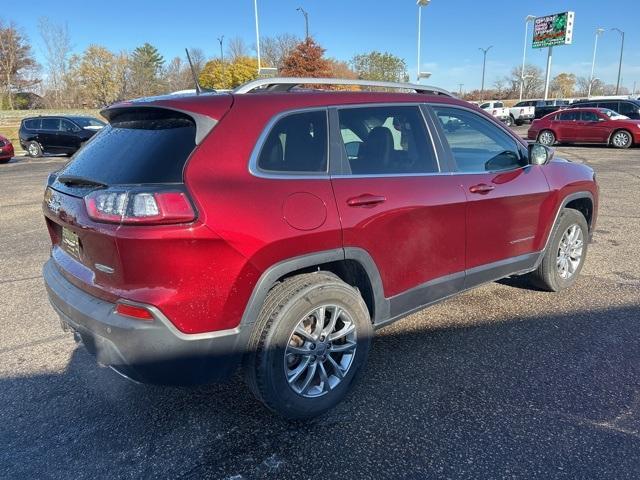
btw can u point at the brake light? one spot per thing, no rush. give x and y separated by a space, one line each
522 111
495 112
139 206
133 311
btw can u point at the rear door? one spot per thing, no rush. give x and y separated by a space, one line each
49 135
398 202
69 139
566 125
505 195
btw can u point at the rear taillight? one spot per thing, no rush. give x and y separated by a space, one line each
522 111
495 112
139 206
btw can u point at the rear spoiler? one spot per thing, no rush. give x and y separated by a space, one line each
204 124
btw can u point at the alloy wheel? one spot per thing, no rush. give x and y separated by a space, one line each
320 351
621 139
570 251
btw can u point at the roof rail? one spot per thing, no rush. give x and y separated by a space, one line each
285 84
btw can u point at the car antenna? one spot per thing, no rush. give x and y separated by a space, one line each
193 72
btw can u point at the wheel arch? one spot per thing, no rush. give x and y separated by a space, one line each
352 265
620 129
576 200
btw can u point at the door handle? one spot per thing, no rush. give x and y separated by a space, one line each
366 200
481 188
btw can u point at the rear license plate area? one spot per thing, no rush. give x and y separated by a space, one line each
70 242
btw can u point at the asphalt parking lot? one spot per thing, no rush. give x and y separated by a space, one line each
500 382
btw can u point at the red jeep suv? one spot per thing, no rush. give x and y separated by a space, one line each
275 227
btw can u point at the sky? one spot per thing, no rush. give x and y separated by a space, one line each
452 31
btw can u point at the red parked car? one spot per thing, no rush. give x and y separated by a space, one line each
6 150
276 229
586 125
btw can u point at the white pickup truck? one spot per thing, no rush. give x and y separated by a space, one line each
521 112
498 110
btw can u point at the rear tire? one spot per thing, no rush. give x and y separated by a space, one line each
509 121
547 137
621 139
565 254
34 149
300 367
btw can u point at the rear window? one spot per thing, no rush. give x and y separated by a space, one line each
148 145
32 124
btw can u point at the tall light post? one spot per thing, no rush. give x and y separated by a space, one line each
220 40
599 31
306 21
527 20
255 10
420 4
620 64
484 65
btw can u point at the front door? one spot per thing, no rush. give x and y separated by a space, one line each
399 204
506 196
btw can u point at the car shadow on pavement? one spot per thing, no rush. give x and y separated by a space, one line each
550 396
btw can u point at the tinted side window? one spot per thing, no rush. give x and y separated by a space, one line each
589 116
629 109
297 143
386 140
498 105
477 144
67 126
610 105
567 116
51 124
32 124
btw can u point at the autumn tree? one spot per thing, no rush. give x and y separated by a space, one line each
146 64
16 62
563 85
99 72
339 69
218 74
381 66
306 60
273 50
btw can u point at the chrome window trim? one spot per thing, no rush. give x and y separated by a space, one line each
257 149
510 134
426 125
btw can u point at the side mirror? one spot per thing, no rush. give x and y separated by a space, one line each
539 154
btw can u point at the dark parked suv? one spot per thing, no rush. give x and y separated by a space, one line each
276 228
39 135
629 108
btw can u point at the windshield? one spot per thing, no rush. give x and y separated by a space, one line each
88 122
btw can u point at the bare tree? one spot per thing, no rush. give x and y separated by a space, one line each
274 50
236 48
57 53
16 61
177 75
198 59
532 85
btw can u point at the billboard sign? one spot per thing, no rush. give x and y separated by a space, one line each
553 30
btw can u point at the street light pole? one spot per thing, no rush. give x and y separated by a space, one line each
620 64
306 21
529 18
255 9
599 32
484 65
220 40
420 4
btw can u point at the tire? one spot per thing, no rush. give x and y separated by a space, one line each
519 123
549 275
274 369
509 121
547 137
34 149
621 139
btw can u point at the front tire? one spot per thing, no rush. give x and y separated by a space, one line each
34 149
621 139
547 137
565 254
309 344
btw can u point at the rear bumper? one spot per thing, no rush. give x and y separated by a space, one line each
145 351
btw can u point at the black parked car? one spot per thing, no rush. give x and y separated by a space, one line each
629 108
57 134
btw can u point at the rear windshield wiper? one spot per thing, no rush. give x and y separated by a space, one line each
79 181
